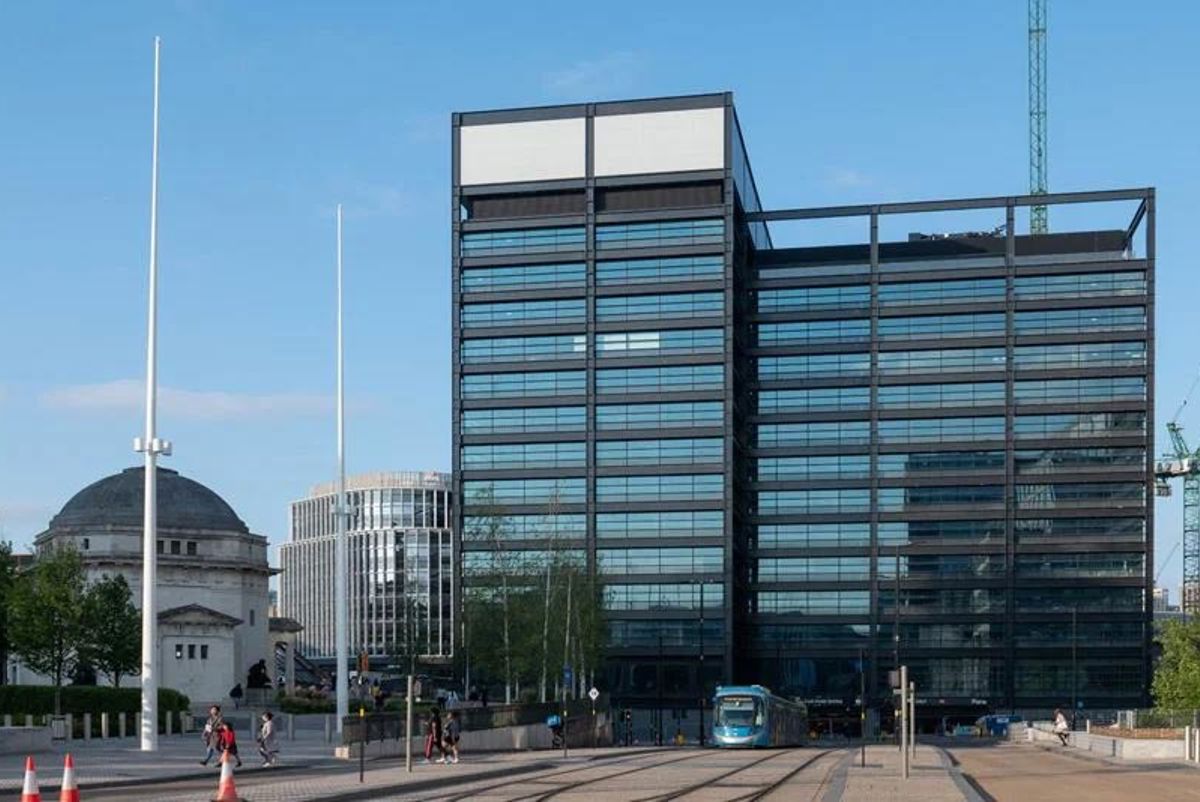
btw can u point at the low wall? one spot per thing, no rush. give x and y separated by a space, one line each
1107 746
499 739
23 740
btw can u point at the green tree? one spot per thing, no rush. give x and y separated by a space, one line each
1176 683
114 629
8 576
46 616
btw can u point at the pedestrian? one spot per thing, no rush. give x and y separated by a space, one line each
227 742
453 734
1061 728
377 696
268 746
236 693
209 734
433 735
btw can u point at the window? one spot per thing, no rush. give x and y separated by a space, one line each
904 533
803 299
524 527
191 548
900 499
161 547
1066 530
657 343
662 233
656 271
668 560
807 502
814 366
1079 355
844 466
920 396
774 435
1081 496
822 399
939 462
87 543
176 547
1085 285
941 292
524 419
516 385
790 536
1079 391
659 416
942 566
178 651
518 277
204 651
662 597
673 634
528 240
653 307
687 487
959 360
1086 424
813 331
523 455
952 602
1085 566
683 451
1057 599
191 651
941 326
1126 318
251 616
813 569
814 602
485 493
519 564
686 523
521 349
524 313
1074 460
660 380
940 429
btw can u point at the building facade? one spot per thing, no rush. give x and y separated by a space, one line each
401 552
803 465
213 617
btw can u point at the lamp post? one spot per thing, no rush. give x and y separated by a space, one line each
1074 664
703 693
341 621
151 446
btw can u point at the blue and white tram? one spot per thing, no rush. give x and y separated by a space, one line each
750 716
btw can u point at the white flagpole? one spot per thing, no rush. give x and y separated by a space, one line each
341 618
151 446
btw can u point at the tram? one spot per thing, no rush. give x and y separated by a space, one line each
751 716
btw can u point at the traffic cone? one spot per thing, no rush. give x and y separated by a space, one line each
226 792
68 791
29 791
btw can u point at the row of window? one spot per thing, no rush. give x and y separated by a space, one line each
901 499
917 464
681 378
608 309
972 601
608 236
609 526
917 293
574 274
954 360
609 453
680 487
574 346
902 533
913 430
677 596
988 634
612 417
666 560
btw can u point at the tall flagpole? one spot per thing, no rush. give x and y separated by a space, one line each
151 446
341 619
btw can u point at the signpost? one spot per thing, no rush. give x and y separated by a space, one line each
593 694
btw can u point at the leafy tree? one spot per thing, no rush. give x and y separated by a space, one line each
46 615
1176 683
8 576
114 629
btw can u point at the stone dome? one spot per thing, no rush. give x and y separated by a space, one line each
117 501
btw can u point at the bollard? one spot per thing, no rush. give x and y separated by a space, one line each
328 729
167 723
70 721
1187 742
8 719
1087 726
104 726
28 720
87 726
291 726
120 725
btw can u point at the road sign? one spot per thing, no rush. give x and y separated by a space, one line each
568 676
593 694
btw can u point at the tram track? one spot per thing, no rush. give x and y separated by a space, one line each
711 781
763 793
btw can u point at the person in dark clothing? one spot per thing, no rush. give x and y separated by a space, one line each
433 735
236 693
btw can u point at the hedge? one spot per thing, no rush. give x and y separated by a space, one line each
38 700
300 705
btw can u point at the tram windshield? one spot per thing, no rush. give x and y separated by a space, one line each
739 711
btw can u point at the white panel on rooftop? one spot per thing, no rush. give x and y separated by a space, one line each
660 142
501 153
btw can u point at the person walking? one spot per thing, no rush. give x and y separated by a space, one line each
433 736
236 693
227 742
1061 728
209 734
268 745
453 734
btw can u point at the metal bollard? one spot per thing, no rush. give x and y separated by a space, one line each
87 726
120 725
328 728
8 719
70 720
291 721
167 722
104 726
1187 742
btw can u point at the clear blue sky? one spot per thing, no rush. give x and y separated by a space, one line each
273 112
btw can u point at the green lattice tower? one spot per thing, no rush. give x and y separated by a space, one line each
1038 220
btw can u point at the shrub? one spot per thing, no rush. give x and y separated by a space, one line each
306 704
38 700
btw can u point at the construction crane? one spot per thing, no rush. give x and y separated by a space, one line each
1038 220
1185 463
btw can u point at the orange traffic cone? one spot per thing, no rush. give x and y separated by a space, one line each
69 791
226 792
29 792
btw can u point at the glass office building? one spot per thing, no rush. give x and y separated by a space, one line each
804 463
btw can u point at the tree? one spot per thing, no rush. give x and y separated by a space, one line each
113 626
46 612
1176 683
8 576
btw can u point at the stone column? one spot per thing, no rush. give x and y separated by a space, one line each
290 664
87 726
104 726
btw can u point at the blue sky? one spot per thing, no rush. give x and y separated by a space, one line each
274 112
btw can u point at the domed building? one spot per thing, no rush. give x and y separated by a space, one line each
213 574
